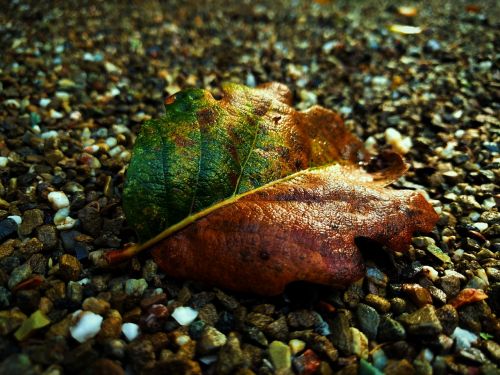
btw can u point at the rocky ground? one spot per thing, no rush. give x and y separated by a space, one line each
76 82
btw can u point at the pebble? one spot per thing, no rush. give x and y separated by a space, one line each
31 220
463 338
3 161
58 199
418 294
368 320
423 322
401 144
211 339
96 305
8 228
296 346
135 287
130 330
184 315
359 344
69 267
86 327
36 321
390 330
378 302
280 356
19 274
307 363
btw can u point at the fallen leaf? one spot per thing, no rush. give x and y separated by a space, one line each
468 295
249 194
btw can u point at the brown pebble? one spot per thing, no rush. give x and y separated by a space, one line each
418 294
379 303
69 267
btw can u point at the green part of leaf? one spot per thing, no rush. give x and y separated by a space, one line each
203 151
485 336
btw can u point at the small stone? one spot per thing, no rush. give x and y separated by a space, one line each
19 274
366 368
7 248
448 317
36 321
184 315
278 330
307 363
47 234
423 321
135 287
105 366
359 344
280 356
58 199
69 267
31 220
10 320
8 228
378 302
396 140
296 346
341 335
131 331
302 319
438 253
399 367
96 305
230 356
418 294
463 338
211 339
450 284
87 325
368 320
437 294
3 161
467 296
390 330
494 349
31 246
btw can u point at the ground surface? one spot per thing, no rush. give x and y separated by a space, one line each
76 82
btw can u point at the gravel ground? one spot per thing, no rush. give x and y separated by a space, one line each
76 82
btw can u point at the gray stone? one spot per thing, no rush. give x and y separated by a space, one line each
211 339
390 330
368 320
19 274
31 220
47 234
341 334
424 321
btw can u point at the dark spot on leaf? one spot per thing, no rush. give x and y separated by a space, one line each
264 255
206 117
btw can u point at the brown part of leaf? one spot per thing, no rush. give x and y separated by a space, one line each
299 229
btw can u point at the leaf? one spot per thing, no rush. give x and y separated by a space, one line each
205 150
249 194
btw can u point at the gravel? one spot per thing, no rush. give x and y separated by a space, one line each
77 82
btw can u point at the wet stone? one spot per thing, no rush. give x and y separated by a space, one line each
368 320
31 246
422 322
47 234
211 339
31 220
378 302
278 330
450 284
19 274
69 267
390 330
448 317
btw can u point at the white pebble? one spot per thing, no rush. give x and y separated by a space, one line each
87 326
58 199
61 215
16 218
481 226
130 330
463 338
55 115
49 134
75 115
430 272
184 315
111 141
44 102
396 140
115 151
3 161
68 223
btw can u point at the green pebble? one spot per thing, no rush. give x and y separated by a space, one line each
36 321
135 287
281 356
